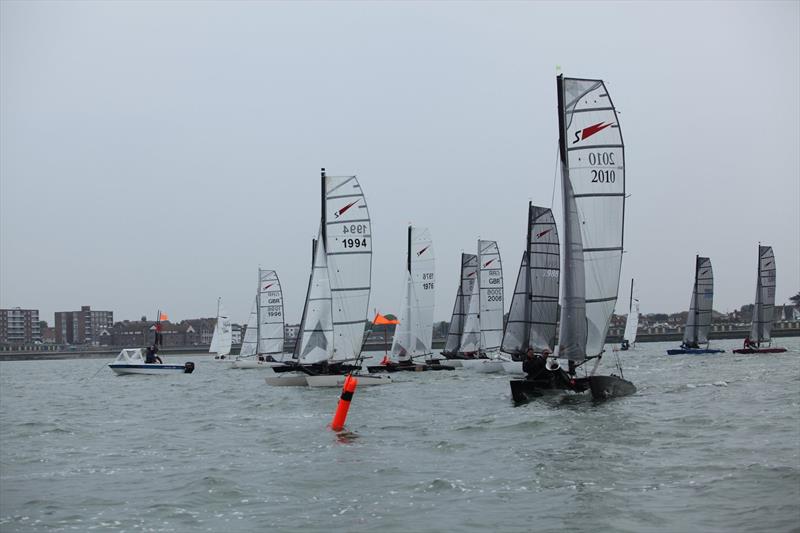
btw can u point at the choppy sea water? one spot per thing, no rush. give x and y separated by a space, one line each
709 443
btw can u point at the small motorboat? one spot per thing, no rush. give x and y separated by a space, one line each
131 361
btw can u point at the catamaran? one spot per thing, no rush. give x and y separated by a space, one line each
698 321
764 308
332 329
476 327
533 315
593 193
263 348
631 323
413 334
221 339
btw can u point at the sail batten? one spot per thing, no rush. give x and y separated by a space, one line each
764 305
347 239
533 314
592 157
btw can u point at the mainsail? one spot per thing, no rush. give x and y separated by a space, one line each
469 264
250 340
763 310
698 323
593 191
412 336
221 339
471 336
315 338
270 313
347 240
533 314
490 287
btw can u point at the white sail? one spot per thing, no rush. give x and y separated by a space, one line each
632 322
593 191
316 335
270 313
698 321
471 336
250 340
490 286
221 339
413 335
764 308
347 239
533 314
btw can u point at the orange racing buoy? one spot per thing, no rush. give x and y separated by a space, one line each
340 416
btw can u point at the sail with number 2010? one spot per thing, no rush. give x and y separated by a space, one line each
593 191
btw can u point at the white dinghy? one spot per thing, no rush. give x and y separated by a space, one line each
263 344
131 361
221 339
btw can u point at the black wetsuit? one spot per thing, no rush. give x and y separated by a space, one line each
534 367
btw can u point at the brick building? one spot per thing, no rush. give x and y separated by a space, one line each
19 327
82 327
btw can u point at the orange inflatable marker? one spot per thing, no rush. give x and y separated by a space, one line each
340 416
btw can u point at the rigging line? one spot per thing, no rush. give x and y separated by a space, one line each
555 177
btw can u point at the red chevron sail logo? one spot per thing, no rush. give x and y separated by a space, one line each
423 250
267 287
543 233
588 131
342 211
488 263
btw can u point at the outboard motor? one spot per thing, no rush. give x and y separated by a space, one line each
188 368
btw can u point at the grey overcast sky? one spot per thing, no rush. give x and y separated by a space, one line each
154 154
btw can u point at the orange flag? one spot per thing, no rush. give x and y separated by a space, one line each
381 320
162 317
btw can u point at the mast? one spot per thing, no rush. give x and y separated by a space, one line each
630 303
324 230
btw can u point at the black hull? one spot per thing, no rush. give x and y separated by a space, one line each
416 367
606 387
336 369
461 357
601 387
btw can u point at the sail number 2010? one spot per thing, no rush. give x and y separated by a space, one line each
602 159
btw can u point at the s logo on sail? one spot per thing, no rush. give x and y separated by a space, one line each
423 250
267 287
343 210
588 131
543 233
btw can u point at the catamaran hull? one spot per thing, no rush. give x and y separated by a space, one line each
513 367
338 381
524 390
693 351
151 369
244 364
287 380
416 367
489 366
760 350
607 387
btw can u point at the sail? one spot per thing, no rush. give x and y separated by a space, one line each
348 244
221 339
316 334
270 313
490 286
593 192
517 333
250 340
763 310
544 279
698 322
471 336
413 335
456 327
632 323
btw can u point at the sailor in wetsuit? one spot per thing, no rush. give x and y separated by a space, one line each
534 364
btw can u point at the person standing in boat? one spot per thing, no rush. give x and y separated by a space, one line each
151 357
